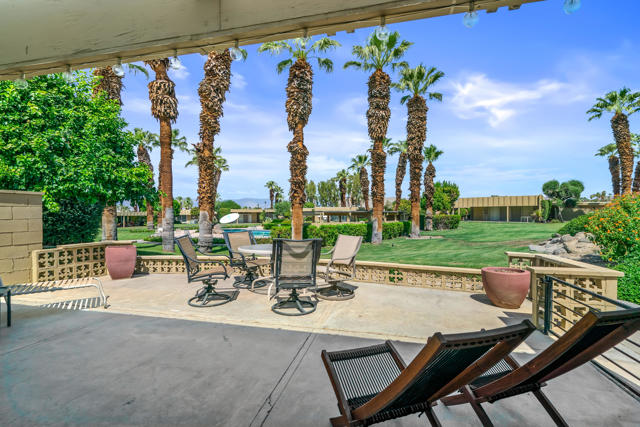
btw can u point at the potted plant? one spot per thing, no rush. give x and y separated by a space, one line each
120 261
506 287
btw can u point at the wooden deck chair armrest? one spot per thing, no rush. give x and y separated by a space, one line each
343 404
396 356
511 362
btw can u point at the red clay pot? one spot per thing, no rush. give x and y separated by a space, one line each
506 287
121 261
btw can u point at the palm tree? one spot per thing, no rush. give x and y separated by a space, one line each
213 92
341 176
278 194
610 151
359 165
378 55
431 154
164 107
417 82
110 84
622 104
355 193
635 140
219 165
298 106
399 148
146 141
272 186
188 203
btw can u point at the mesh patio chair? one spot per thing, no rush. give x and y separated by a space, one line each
591 336
341 267
373 384
295 264
249 264
207 296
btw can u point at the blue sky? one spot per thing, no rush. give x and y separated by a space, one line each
516 89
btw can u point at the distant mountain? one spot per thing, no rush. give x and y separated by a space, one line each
252 203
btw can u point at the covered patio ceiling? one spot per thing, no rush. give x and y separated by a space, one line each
46 36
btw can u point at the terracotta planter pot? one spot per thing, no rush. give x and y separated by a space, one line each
121 261
506 287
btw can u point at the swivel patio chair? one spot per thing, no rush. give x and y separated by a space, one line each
207 296
341 267
373 384
591 336
295 264
249 264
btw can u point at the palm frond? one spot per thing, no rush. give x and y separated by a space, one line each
324 44
283 65
354 64
435 95
273 48
325 64
135 69
404 99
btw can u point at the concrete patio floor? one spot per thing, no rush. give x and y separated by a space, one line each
151 360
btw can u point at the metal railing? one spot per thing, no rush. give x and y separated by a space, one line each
550 310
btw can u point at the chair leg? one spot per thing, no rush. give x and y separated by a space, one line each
433 419
457 399
8 301
551 410
482 415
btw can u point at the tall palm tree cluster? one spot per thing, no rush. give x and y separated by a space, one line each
622 104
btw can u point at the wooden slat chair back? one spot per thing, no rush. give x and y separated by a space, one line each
591 336
373 384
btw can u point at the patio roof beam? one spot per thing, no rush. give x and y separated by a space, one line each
47 36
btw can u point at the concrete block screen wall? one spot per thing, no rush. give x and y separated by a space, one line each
20 233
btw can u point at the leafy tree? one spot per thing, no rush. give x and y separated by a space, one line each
562 195
328 193
377 55
622 104
312 193
298 106
450 189
355 192
283 209
57 138
146 141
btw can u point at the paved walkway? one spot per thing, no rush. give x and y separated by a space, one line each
378 311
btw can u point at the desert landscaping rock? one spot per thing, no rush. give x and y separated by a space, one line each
579 247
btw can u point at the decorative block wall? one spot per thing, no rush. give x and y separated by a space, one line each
20 234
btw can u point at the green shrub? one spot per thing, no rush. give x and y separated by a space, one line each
546 209
446 222
576 225
391 230
74 222
281 232
555 221
329 232
629 285
616 228
406 225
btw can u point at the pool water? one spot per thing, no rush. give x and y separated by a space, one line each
258 234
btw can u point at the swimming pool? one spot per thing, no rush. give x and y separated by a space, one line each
258 234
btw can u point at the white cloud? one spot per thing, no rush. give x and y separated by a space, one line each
188 104
179 73
137 105
354 109
477 96
238 81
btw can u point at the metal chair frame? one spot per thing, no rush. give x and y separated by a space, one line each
293 301
335 292
207 296
250 276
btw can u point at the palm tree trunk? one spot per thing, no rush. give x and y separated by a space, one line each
343 192
161 197
212 90
620 127
271 196
401 171
614 169
149 207
298 107
364 187
429 189
109 223
144 158
416 136
377 121
298 169
166 156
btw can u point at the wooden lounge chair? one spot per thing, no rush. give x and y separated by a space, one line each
373 384
594 334
341 267
247 263
64 285
207 296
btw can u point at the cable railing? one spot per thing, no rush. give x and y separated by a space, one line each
553 318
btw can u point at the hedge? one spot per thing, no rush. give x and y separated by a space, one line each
446 222
391 230
576 225
329 232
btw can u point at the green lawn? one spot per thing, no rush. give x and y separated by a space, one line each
473 244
